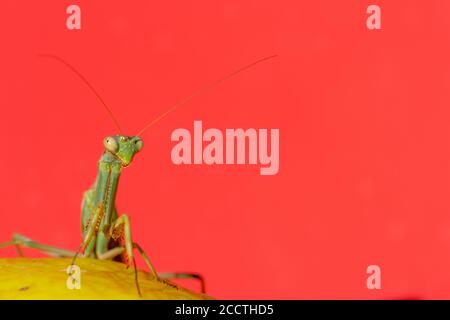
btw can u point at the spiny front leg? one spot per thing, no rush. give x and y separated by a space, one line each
91 230
122 228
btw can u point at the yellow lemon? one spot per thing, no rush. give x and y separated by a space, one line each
48 278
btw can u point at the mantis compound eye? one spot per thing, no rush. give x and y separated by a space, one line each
111 144
138 143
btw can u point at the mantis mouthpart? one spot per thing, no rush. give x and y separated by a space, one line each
106 234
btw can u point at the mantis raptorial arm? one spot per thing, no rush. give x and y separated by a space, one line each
122 227
91 231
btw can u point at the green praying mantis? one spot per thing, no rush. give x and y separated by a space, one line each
106 234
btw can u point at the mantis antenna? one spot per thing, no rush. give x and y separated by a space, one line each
201 91
171 109
86 82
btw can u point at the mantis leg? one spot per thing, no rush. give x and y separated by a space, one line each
177 275
122 226
169 275
146 259
21 241
124 222
111 254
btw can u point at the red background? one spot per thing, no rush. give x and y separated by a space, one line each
364 138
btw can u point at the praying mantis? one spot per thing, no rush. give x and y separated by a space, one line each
106 235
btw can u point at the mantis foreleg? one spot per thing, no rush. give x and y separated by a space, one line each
122 227
91 229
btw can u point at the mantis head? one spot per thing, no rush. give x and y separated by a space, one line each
123 148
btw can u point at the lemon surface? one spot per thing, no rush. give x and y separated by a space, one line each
46 278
